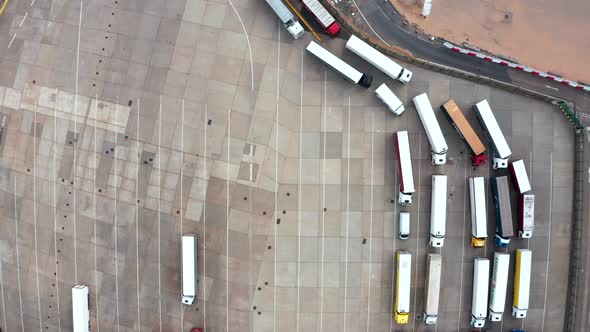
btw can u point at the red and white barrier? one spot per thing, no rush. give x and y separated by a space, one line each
516 66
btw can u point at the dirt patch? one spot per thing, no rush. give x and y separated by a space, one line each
544 34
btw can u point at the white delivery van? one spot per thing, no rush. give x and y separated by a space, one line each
404 225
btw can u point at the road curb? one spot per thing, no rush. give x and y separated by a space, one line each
407 56
516 66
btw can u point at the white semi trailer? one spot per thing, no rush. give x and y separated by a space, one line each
432 288
479 300
520 179
438 210
435 136
494 134
522 283
498 285
343 68
526 216
402 287
477 199
378 59
404 170
286 17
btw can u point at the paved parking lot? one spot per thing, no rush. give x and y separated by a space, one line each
165 120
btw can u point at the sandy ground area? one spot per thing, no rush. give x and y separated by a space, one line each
544 34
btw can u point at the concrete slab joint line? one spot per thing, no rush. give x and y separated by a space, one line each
516 66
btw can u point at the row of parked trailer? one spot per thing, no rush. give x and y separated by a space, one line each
500 192
482 305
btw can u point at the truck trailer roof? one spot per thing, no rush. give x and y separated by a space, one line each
498 285
432 287
281 10
465 129
501 193
378 59
404 160
490 125
318 10
335 62
430 123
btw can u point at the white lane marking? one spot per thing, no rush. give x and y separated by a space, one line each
205 220
23 20
369 24
116 221
371 222
35 215
347 219
136 215
227 222
20 296
159 214
552 88
94 209
247 42
323 207
382 12
548 240
55 215
274 291
2 290
12 40
76 141
528 240
33 2
181 191
417 228
299 196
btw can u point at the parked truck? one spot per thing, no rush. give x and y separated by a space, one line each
477 199
378 59
438 210
322 16
526 216
479 300
520 178
435 136
494 134
498 285
390 99
504 227
287 18
343 68
466 132
402 287
404 167
432 288
522 283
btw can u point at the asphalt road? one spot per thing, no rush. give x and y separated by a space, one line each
387 24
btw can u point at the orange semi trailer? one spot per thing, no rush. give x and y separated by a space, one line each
458 120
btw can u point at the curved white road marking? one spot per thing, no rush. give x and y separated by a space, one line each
369 24
247 41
